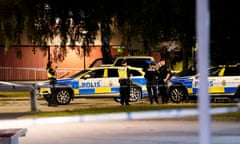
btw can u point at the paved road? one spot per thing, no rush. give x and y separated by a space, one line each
148 131
129 132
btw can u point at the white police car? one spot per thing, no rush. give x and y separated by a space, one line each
224 81
96 82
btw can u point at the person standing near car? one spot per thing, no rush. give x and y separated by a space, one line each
151 78
164 75
51 73
125 81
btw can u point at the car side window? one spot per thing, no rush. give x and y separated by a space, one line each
135 73
112 72
232 71
119 62
96 73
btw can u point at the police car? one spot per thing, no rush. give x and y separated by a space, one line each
223 80
134 61
96 82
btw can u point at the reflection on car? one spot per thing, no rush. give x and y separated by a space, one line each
96 82
223 80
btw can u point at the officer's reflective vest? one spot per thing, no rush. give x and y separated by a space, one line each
123 74
51 73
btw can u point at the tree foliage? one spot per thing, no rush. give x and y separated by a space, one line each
11 21
224 32
150 21
158 21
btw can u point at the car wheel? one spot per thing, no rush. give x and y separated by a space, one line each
135 94
63 96
177 94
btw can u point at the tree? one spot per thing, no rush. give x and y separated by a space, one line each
159 21
224 32
12 21
77 21
150 21
104 13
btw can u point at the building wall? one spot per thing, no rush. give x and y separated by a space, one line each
32 66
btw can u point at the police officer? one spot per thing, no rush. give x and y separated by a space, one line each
125 81
164 75
51 73
151 77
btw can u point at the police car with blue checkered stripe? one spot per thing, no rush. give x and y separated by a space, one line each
96 82
224 81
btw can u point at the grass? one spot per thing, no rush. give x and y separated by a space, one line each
14 94
235 116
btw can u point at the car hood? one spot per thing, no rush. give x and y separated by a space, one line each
180 79
187 80
64 80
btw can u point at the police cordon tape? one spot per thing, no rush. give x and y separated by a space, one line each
155 114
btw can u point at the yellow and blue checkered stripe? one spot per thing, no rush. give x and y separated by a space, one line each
95 90
188 83
100 90
213 90
141 82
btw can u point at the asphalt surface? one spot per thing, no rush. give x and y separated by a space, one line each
122 128
153 131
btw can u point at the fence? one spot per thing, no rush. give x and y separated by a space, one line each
32 74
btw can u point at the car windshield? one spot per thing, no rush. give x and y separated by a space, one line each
188 72
213 71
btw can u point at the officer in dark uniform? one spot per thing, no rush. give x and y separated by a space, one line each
125 82
164 75
51 73
151 77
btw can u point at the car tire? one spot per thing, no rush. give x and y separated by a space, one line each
64 96
135 94
178 94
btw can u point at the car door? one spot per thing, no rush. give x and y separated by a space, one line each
224 81
230 80
112 81
215 79
90 82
